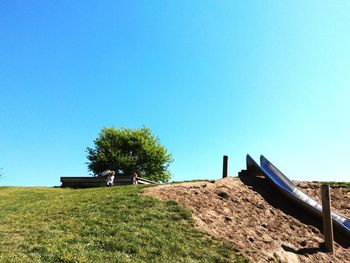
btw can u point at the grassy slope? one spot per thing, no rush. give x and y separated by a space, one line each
340 184
336 184
100 225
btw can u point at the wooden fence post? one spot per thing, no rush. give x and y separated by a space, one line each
327 218
224 166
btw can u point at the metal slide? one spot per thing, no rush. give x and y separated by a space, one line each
145 181
291 191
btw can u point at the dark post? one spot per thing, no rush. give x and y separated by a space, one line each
327 218
224 168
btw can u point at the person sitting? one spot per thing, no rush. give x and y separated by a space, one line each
110 178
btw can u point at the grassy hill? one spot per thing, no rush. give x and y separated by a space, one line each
337 184
100 225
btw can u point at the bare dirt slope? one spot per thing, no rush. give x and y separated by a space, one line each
252 215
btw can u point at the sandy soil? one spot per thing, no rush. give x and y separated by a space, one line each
260 222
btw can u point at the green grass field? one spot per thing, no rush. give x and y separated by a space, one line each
101 225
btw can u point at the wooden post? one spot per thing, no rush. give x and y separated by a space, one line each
327 218
224 167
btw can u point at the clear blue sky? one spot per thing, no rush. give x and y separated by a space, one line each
208 77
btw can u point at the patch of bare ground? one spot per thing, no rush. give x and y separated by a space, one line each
252 215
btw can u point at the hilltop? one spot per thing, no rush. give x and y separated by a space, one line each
228 220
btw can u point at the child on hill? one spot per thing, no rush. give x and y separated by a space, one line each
134 179
110 179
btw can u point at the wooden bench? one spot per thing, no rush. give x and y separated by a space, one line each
86 182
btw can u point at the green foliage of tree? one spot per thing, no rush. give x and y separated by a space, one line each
126 151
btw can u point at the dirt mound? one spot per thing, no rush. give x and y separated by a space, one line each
251 214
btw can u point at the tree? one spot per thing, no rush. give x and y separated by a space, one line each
126 151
